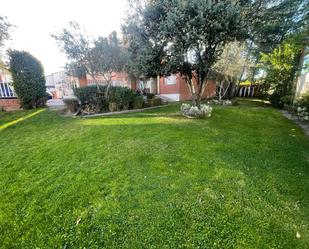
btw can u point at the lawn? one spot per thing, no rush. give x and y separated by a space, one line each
154 180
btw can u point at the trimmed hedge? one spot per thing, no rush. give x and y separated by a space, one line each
93 99
28 79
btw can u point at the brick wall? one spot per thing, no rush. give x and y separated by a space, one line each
9 104
180 87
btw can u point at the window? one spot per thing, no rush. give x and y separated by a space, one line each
170 80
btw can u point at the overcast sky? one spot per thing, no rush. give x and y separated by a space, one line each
35 20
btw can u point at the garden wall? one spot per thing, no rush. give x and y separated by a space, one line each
9 104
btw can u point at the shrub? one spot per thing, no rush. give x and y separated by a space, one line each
303 101
28 79
154 102
150 95
92 98
275 100
138 102
287 100
71 104
302 107
195 112
120 98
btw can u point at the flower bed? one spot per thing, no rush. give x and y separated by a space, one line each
204 111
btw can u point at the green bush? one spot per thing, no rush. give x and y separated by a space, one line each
119 98
138 102
28 79
154 102
275 100
287 100
150 95
303 101
92 98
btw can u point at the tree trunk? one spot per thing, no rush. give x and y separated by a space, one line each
191 90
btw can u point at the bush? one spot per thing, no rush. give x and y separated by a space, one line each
302 107
28 79
287 100
195 112
91 98
154 102
138 102
150 95
275 100
303 101
120 98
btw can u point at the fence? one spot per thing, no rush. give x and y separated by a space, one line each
6 90
246 91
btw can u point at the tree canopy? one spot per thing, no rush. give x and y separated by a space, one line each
184 36
97 57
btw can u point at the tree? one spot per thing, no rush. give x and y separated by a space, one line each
96 57
186 37
110 57
270 22
231 68
78 47
281 67
28 79
4 30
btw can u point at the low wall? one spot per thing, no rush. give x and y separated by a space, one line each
9 104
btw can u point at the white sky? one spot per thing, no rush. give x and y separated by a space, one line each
35 20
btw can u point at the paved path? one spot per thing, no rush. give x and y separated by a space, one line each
55 104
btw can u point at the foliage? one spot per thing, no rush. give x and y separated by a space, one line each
95 100
28 79
270 22
281 67
155 180
138 102
184 37
96 57
5 27
150 95
232 60
204 111
303 100
154 102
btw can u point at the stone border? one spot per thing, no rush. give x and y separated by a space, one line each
121 112
302 125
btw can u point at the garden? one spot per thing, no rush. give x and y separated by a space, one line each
155 179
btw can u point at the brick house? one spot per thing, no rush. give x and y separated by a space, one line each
175 88
8 99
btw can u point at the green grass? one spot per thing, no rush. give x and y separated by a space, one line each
155 180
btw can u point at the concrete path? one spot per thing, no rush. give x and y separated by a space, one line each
56 104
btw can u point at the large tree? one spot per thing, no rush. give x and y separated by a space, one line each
186 37
95 57
28 79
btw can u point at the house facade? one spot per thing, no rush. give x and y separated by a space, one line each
8 99
61 85
174 87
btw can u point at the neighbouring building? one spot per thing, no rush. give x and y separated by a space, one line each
60 85
118 79
8 99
